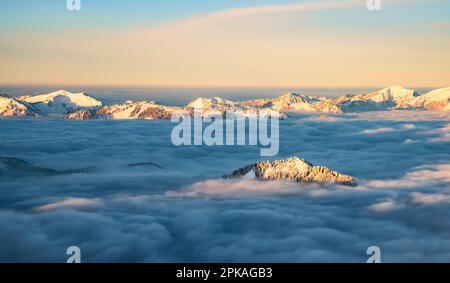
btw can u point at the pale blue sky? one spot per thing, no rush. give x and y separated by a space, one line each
258 43
31 14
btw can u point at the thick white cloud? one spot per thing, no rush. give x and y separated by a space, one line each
419 176
186 212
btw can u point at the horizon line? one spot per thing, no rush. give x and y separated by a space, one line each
59 86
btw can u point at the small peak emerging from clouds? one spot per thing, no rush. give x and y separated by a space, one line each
292 169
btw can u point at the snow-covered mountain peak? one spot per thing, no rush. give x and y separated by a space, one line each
396 94
298 102
437 94
80 98
83 106
292 97
143 109
397 91
199 103
438 99
12 107
393 97
215 104
202 102
62 102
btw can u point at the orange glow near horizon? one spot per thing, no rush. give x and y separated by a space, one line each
233 48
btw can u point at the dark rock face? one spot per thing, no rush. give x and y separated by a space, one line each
155 113
145 164
15 167
241 171
82 115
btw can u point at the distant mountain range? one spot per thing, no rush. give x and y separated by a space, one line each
64 104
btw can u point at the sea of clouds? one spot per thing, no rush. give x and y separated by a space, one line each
182 210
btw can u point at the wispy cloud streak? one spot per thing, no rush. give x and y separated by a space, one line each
192 23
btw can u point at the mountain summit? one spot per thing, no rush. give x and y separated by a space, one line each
292 169
14 108
83 106
62 102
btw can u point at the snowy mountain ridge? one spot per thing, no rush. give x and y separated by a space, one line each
83 106
62 102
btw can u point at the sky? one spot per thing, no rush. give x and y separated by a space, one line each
183 211
234 43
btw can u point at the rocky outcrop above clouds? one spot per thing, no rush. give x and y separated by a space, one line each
292 169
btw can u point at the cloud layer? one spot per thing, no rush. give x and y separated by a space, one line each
186 212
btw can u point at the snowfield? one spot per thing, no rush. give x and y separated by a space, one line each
82 106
